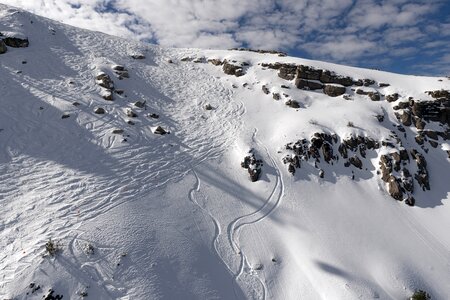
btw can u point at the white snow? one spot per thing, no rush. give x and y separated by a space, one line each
175 216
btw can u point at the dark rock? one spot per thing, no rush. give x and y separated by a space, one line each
107 95
117 131
279 53
285 86
407 181
276 96
356 161
65 116
232 69
265 90
76 104
118 68
140 104
374 96
131 114
105 81
368 82
306 72
385 167
419 123
199 60
410 200
129 122
153 116
381 85
327 152
99 111
3 48
430 134
392 98
119 92
380 118
291 169
404 155
405 118
334 90
159 130
287 71
331 77
343 150
253 166
138 56
15 42
321 173
419 139
433 144
215 61
423 180
347 97
307 85
439 94
394 188
292 103
208 106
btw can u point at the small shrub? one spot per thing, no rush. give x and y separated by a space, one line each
350 124
420 295
313 122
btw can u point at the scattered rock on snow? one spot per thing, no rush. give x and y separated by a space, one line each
159 130
140 104
292 103
117 131
131 113
99 111
105 81
138 56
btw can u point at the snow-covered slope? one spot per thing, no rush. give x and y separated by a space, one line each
141 215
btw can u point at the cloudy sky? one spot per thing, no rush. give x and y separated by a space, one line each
396 35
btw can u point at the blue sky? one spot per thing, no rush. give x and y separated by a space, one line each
402 36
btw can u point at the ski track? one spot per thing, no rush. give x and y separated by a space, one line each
253 218
68 197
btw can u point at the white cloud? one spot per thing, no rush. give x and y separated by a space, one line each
344 30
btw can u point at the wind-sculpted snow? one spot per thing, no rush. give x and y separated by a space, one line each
127 158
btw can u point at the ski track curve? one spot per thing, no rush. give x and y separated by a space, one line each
253 218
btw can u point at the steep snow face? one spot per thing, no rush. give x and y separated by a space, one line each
128 158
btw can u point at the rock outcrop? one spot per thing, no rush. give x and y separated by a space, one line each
252 165
232 68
